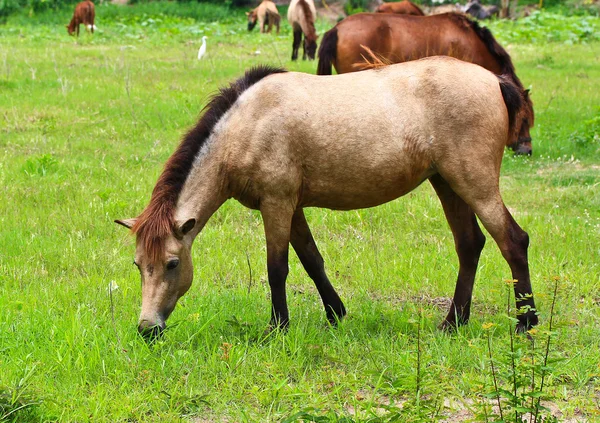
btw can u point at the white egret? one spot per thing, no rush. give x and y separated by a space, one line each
202 50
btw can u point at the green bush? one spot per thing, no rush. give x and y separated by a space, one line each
355 6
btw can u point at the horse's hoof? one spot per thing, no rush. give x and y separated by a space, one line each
277 326
335 314
526 322
448 326
451 323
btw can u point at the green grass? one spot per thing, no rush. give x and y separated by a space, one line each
85 127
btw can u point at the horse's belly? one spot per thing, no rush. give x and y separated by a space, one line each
354 187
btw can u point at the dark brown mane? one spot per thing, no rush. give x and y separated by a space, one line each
495 49
156 221
309 19
503 58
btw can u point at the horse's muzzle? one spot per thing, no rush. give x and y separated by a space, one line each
523 147
151 331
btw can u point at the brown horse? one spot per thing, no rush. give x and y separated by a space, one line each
265 14
399 38
84 14
301 16
281 141
403 7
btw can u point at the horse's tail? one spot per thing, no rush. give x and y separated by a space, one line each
276 19
327 52
513 100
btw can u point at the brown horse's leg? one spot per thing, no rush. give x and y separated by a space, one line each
277 221
468 241
513 243
304 48
296 44
313 263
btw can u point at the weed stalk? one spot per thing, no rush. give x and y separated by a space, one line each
547 353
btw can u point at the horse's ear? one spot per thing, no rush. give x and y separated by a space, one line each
128 223
187 226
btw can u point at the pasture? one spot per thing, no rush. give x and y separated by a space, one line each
85 127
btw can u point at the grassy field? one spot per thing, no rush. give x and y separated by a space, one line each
85 127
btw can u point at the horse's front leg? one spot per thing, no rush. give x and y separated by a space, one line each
296 44
311 259
277 221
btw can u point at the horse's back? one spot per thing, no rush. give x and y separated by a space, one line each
267 7
86 12
294 11
361 139
403 7
401 38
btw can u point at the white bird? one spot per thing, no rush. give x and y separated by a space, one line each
202 50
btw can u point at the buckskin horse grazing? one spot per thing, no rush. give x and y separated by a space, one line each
266 14
403 7
301 16
84 14
400 38
279 142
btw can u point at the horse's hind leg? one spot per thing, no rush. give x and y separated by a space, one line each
468 241
296 44
277 221
483 195
313 263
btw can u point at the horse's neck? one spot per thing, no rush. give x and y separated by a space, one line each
205 188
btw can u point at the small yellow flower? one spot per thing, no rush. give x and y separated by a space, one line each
488 325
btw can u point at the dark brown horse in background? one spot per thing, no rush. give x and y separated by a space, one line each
301 16
400 38
403 7
84 14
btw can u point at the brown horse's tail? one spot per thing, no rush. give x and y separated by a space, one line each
327 52
513 100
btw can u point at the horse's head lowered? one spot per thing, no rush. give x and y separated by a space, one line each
252 18
165 265
310 45
522 144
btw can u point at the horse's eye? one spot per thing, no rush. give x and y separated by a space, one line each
172 264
